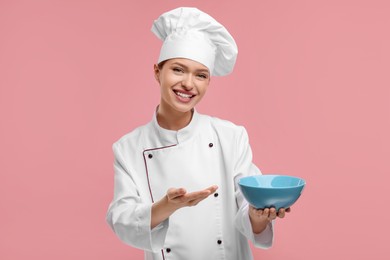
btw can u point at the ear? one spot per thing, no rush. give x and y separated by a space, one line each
156 73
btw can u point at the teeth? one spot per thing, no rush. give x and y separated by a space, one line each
183 95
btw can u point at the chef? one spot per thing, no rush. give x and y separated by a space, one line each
176 192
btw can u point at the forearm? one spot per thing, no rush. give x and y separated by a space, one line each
161 210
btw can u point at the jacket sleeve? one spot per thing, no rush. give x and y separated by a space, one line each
244 167
128 216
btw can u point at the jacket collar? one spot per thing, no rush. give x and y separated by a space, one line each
169 137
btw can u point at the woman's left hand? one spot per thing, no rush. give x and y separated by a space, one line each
261 217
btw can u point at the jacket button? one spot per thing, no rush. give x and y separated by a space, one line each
211 145
219 241
168 250
150 156
216 194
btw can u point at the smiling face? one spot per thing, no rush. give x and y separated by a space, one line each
183 83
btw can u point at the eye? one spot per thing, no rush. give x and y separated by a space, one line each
202 76
178 69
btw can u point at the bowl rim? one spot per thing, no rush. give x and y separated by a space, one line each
273 175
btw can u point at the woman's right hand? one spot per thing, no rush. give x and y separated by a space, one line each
178 198
175 199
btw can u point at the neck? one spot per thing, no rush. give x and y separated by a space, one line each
173 120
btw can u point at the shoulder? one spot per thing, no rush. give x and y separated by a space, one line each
131 139
226 128
225 125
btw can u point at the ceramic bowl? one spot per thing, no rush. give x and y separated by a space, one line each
265 191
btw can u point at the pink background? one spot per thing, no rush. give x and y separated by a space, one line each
311 86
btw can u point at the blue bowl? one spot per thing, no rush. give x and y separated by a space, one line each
266 191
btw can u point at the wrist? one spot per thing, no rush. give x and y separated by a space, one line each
258 225
161 210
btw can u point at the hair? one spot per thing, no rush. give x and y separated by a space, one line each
161 64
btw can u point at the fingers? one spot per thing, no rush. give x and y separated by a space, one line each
262 215
195 197
258 213
212 189
269 213
195 201
180 195
281 213
173 193
272 214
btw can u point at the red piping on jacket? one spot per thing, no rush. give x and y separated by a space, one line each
147 177
146 166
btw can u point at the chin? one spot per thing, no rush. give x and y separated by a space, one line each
184 109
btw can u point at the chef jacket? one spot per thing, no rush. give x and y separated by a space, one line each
208 151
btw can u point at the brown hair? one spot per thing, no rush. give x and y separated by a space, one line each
161 64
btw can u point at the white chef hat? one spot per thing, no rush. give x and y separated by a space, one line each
192 34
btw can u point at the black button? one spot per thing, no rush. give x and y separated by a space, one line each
211 145
219 241
215 194
168 250
150 156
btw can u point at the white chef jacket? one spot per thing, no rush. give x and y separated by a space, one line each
209 151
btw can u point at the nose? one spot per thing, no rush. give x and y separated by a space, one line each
188 82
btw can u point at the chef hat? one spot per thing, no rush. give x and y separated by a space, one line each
192 34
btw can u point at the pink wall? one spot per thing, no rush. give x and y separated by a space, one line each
311 85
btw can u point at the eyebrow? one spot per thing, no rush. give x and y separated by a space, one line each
186 67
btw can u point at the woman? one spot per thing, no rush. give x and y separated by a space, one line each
176 193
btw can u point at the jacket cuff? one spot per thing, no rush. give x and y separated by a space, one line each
158 235
264 239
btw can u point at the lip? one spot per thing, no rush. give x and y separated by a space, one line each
184 92
182 99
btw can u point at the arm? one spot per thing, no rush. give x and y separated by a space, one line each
129 215
176 199
260 230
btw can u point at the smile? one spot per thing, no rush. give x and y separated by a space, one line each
183 95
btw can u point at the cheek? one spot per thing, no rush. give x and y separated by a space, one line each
170 80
